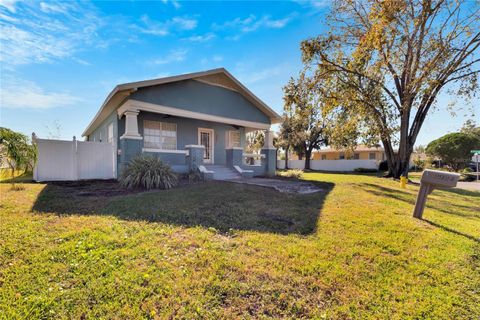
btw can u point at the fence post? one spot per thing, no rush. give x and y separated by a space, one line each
74 159
35 167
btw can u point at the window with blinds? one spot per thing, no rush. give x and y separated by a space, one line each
160 135
234 139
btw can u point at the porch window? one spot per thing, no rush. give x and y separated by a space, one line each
234 139
160 135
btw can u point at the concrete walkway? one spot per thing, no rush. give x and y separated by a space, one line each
472 186
286 186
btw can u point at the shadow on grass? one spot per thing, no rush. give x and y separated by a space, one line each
410 199
442 206
219 205
25 177
466 235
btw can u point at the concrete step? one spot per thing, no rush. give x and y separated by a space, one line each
223 173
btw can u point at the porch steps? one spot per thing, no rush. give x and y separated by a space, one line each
223 173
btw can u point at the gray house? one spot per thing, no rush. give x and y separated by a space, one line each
191 121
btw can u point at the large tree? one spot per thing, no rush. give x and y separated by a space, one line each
454 149
388 61
302 109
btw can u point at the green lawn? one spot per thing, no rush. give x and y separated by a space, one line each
221 250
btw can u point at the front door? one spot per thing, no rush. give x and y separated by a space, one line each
205 138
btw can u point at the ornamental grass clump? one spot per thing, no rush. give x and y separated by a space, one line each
149 173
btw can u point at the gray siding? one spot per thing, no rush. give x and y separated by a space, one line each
187 133
200 97
100 133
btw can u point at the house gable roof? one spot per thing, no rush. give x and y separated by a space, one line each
219 77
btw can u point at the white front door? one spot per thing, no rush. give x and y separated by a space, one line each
205 138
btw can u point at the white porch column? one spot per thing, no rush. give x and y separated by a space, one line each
131 125
268 143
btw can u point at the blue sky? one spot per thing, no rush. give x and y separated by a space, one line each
59 60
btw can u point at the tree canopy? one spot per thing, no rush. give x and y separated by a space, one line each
454 149
382 65
304 127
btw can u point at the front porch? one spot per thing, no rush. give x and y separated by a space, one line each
190 144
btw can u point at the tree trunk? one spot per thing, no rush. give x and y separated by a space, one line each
398 163
308 154
286 158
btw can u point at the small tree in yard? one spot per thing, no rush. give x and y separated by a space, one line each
286 136
383 64
454 149
16 150
305 128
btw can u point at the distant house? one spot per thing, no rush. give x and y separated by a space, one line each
189 120
361 152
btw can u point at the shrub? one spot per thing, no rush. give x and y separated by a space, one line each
364 170
293 173
148 172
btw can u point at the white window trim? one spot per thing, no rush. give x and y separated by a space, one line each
229 140
212 142
110 125
160 149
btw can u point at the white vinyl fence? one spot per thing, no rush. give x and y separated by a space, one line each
330 165
60 160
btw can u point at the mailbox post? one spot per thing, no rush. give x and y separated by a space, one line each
430 180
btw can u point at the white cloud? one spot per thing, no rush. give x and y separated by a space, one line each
157 28
152 27
184 23
317 4
246 75
53 8
252 23
55 31
8 4
202 38
214 60
82 62
21 94
173 56
175 3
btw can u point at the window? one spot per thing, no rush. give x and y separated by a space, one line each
324 157
110 133
356 156
234 139
160 135
342 156
371 156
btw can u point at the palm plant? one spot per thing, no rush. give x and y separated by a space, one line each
16 150
148 172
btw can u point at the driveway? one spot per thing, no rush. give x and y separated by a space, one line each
286 186
472 186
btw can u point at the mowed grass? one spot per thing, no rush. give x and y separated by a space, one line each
222 250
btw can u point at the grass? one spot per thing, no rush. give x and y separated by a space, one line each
220 250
